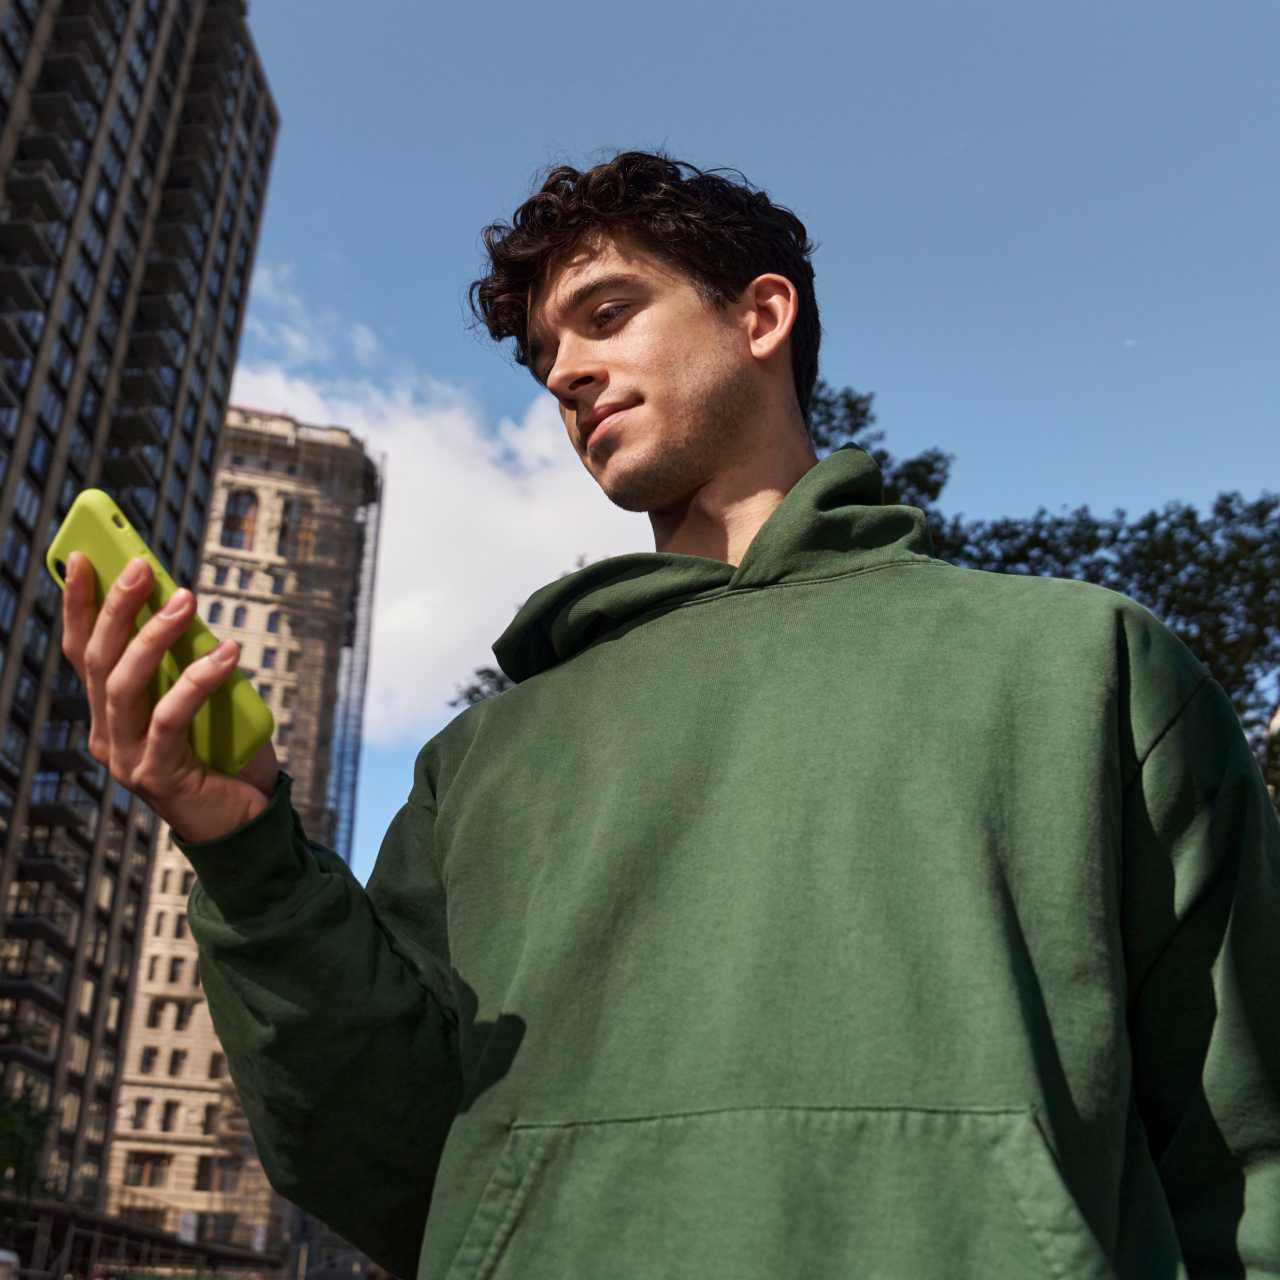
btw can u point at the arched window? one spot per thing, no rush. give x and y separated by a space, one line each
273 620
239 519
238 620
297 540
288 515
215 612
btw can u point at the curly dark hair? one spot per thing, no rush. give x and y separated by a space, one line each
719 233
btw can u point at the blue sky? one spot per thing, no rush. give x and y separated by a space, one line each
1046 242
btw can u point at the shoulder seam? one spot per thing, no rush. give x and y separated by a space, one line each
1205 678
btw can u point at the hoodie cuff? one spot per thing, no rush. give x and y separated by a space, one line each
256 865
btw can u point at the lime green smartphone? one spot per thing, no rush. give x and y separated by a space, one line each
234 722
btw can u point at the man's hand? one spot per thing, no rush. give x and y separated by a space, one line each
147 750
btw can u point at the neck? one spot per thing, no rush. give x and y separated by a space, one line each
722 517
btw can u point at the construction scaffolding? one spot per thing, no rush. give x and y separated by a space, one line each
328 535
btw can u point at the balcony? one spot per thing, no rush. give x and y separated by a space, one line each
36 183
108 12
193 172
180 236
43 860
141 426
218 17
149 384
31 240
13 340
165 273
61 111
67 155
58 927
197 136
164 308
203 108
163 346
210 73
69 701
187 202
138 465
22 287
72 69
60 749
47 808
83 29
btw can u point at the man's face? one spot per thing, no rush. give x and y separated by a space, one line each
614 327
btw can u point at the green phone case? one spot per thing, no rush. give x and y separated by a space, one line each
231 726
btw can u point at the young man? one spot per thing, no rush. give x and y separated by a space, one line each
810 907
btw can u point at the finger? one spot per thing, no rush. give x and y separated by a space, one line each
167 741
113 627
129 707
79 609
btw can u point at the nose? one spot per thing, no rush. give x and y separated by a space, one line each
573 372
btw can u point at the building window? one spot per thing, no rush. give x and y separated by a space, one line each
175 969
239 519
217 1066
210 1122
159 925
220 575
215 612
246 579
169 1120
164 879
188 880
239 616
264 692
273 620
147 1063
152 964
155 1010
180 925
177 1061
140 1108
268 657
182 1018
146 1169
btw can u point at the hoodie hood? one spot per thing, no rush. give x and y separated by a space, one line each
831 522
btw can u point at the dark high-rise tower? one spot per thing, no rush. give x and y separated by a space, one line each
135 146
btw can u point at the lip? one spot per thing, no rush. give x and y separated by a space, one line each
604 424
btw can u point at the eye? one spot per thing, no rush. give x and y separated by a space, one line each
606 314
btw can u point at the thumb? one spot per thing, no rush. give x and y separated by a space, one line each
263 769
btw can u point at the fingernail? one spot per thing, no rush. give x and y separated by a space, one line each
132 574
177 602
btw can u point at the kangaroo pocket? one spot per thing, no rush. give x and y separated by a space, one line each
779 1192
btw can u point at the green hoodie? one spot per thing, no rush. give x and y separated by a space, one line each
841 914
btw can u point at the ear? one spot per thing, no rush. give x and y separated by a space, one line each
770 306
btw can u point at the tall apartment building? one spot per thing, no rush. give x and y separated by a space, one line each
288 570
136 138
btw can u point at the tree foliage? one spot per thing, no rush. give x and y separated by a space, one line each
1213 579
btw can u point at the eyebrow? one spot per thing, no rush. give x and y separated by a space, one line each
579 297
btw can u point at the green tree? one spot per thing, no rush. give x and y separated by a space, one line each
1213 579
23 1125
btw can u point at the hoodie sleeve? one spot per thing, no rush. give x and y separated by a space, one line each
1201 905
334 1007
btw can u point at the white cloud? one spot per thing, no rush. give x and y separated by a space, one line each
475 518
364 343
282 324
